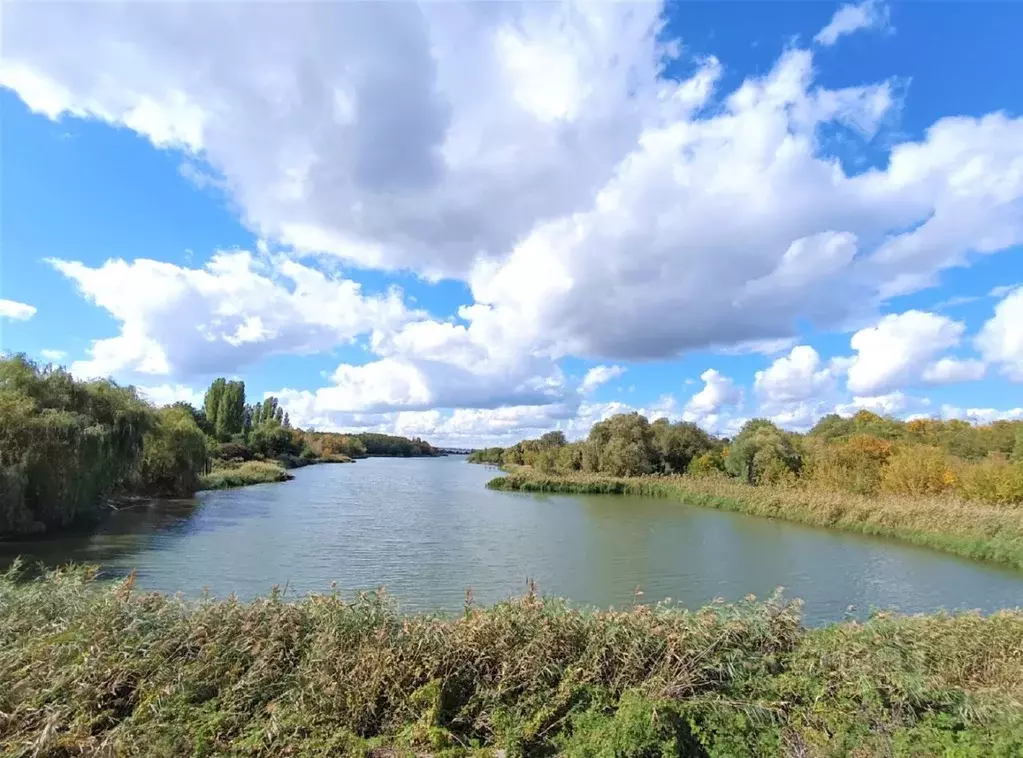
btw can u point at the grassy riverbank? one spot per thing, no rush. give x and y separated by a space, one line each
970 529
87 669
227 474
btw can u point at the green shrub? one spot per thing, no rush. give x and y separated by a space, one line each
226 475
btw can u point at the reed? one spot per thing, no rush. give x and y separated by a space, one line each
968 528
107 670
227 474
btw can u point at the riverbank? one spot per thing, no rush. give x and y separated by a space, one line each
972 530
88 668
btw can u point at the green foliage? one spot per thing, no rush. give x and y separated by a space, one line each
228 474
678 444
133 674
710 463
866 454
270 440
232 451
623 445
174 454
391 445
211 402
491 455
65 445
552 439
762 453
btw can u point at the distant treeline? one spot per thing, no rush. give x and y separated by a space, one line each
68 446
865 454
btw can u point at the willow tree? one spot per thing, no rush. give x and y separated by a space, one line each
65 445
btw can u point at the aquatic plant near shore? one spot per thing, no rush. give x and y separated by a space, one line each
967 528
227 474
86 669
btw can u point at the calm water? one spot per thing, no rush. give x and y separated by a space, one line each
427 530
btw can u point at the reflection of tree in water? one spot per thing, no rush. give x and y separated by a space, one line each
153 525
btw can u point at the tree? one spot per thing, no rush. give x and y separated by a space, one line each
230 417
211 403
622 443
762 453
553 439
287 421
678 444
1017 451
174 454
269 409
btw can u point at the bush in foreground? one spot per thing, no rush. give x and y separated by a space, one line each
227 474
91 670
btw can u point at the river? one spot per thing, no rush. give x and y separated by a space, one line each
427 529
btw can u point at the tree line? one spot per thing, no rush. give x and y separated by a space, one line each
865 454
68 446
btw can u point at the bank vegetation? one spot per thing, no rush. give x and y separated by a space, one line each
68 447
90 670
944 484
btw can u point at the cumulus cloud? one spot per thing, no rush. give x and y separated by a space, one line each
167 394
236 309
715 407
16 311
1001 338
900 351
52 355
870 14
599 375
981 415
952 371
538 152
890 404
797 389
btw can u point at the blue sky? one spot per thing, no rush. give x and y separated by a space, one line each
480 222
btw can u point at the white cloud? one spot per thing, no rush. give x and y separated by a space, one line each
52 355
178 321
890 404
16 311
795 390
715 406
1002 290
900 351
870 14
548 160
981 415
1001 338
167 394
952 370
599 375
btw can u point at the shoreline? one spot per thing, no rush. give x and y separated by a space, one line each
971 530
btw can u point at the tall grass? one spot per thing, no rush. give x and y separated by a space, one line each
89 670
967 528
228 474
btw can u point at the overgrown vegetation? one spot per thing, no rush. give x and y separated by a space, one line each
866 454
67 446
240 474
91 670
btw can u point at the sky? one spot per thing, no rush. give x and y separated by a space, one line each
479 222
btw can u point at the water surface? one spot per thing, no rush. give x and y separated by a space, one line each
427 529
